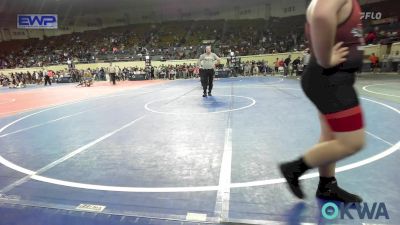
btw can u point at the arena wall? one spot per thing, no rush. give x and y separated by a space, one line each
395 47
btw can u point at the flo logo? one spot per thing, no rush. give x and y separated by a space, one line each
371 15
375 211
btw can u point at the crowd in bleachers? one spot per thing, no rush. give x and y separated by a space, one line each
169 40
377 36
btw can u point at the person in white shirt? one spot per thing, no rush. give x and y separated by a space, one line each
112 71
207 63
306 58
37 77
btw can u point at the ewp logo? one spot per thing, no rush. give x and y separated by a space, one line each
332 211
37 21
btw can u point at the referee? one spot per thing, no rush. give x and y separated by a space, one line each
207 62
112 72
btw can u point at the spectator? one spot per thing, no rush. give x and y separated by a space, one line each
370 38
286 65
172 73
4 80
306 58
47 76
374 60
296 64
247 69
196 71
395 59
190 70
276 66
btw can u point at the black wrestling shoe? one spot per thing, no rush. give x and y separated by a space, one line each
329 190
291 172
209 94
204 95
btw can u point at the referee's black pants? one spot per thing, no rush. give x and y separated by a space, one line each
207 78
113 77
47 80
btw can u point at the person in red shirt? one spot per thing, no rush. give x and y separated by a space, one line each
370 38
276 66
374 62
281 63
196 71
47 77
